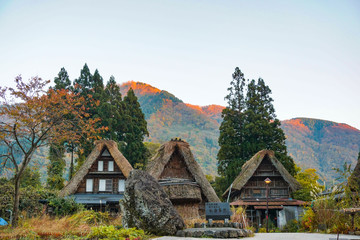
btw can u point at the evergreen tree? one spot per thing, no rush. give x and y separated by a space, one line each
232 154
262 128
249 125
84 85
136 128
55 179
62 81
112 112
56 168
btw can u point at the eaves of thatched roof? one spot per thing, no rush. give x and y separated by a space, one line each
249 168
119 159
158 162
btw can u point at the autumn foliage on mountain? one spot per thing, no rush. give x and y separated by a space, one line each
312 143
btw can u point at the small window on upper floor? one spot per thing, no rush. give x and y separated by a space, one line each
100 166
106 153
111 166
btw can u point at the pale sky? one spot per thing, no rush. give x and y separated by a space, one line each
308 52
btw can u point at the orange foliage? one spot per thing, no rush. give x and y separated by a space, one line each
139 88
297 124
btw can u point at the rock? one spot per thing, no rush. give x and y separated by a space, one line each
180 233
146 206
357 232
233 233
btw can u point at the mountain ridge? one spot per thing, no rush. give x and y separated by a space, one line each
313 143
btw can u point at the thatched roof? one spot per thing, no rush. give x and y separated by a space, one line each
119 159
157 164
249 168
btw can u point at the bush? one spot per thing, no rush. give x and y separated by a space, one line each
308 220
90 217
29 199
292 226
64 206
110 232
239 216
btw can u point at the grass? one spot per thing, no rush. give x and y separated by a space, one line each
46 227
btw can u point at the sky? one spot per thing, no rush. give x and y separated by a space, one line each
308 52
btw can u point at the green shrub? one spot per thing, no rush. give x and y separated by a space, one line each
29 199
292 226
64 206
110 232
90 217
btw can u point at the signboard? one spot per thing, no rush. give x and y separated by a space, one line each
217 210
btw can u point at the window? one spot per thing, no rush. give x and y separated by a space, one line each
111 166
105 185
106 153
121 185
89 185
100 166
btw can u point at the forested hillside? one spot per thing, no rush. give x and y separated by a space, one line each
312 143
321 144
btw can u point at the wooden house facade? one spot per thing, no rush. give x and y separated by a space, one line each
100 181
250 190
182 179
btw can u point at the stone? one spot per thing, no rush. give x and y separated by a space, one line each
197 234
180 233
197 225
146 206
357 232
233 233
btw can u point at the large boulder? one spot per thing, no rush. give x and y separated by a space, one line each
146 206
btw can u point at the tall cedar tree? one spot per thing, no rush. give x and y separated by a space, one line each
55 179
262 128
84 86
112 112
232 154
249 125
136 128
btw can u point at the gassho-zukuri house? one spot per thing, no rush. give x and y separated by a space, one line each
181 177
249 190
100 182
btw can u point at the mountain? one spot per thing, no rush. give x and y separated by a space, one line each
169 117
321 144
313 143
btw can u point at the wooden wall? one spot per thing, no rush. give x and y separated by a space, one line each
105 174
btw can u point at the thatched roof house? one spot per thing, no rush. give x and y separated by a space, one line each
249 168
101 179
176 169
250 190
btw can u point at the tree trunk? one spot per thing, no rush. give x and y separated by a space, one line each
16 201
